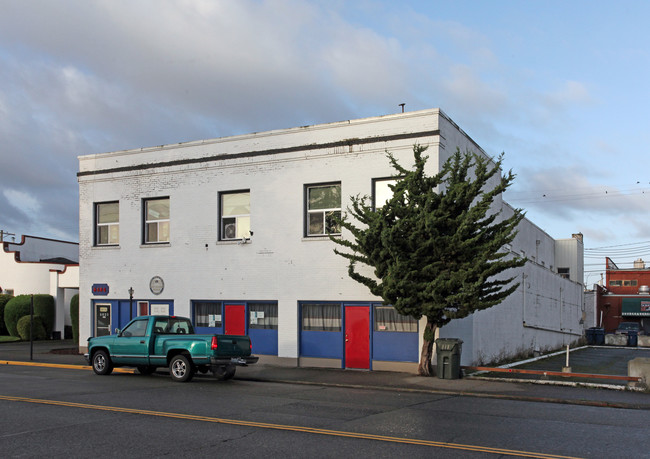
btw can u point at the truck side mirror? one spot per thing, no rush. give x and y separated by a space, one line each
117 331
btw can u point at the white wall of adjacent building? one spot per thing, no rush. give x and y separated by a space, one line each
23 273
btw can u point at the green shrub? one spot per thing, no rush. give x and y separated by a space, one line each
20 306
4 298
24 327
74 318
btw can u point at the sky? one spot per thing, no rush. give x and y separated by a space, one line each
561 87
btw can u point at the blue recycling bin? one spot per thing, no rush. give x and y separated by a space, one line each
595 336
632 338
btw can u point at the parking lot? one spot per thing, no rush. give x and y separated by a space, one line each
599 360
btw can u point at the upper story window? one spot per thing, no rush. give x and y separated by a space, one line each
623 283
563 272
381 192
323 206
235 215
107 223
156 220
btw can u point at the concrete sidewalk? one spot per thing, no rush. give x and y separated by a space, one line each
59 352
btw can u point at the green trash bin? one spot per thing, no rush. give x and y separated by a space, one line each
448 351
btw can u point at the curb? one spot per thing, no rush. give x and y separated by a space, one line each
60 365
402 388
461 393
561 383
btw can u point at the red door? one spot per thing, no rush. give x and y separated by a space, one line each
235 320
357 337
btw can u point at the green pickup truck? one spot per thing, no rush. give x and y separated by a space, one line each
149 342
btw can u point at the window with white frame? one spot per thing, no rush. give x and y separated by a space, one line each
156 220
381 191
107 223
323 208
235 215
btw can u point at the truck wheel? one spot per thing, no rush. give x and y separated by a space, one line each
146 370
180 368
102 364
225 372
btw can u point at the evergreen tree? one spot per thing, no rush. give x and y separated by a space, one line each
436 247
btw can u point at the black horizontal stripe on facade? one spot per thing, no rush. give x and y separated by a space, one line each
273 151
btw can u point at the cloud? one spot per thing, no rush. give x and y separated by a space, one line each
80 77
468 90
23 202
569 198
570 93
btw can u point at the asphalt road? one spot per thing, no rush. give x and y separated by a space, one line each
58 412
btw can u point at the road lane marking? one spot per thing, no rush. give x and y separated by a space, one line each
60 365
264 425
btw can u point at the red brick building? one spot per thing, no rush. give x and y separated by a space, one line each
625 297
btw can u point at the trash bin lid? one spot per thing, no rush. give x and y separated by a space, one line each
448 344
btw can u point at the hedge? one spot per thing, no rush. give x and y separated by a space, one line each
24 328
4 298
74 318
20 306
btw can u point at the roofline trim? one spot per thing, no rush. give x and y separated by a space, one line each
273 151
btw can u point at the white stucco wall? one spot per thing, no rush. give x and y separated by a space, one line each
20 273
545 311
278 263
24 277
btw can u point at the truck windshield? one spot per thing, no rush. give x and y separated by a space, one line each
173 326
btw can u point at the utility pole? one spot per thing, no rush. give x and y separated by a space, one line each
4 233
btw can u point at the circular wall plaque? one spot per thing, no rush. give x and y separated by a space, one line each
156 285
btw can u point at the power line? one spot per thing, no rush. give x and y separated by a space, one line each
4 233
618 245
549 196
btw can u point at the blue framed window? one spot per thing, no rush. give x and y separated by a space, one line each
207 316
321 332
263 326
395 336
387 319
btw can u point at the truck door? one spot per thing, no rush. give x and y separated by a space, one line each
132 344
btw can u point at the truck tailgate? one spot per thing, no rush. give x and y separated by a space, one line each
232 346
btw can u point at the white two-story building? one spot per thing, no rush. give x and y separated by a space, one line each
231 232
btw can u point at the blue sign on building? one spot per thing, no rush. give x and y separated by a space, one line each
100 289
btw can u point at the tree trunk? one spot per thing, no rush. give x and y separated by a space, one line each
425 368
